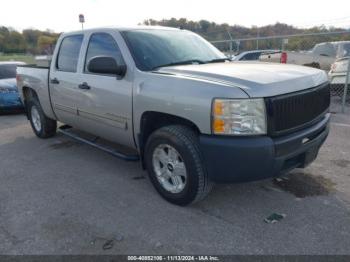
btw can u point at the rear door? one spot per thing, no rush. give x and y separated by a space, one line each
105 107
64 79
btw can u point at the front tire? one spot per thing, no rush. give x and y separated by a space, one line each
42 126
174 163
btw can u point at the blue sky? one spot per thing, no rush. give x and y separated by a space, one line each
62 15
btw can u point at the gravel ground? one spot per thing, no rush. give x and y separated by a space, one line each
58 196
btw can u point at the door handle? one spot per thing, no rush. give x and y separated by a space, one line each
54 81
84 86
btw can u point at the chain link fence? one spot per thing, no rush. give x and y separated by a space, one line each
329 51
340 96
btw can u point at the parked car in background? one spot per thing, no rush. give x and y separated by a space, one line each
251 55
231 57
322 56
179 106
9 97
337 74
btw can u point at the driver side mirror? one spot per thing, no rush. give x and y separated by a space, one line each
106 65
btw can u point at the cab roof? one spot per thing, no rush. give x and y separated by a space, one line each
124 28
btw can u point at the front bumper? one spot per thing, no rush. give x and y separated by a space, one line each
241 159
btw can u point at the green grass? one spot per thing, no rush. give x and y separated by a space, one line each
17 57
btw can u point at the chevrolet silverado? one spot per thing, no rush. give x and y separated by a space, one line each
170 99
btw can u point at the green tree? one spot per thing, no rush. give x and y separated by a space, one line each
4 34
31 37
15 43
46 43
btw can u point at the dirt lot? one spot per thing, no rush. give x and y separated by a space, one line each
58 196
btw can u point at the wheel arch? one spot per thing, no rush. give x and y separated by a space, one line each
28 93
153 120
41 96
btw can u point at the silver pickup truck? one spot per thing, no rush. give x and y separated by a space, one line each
322 56
170 99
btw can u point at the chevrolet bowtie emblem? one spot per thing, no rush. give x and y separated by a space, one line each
305 140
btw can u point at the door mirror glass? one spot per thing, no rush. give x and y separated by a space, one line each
105 65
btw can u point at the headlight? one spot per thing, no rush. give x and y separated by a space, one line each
238 117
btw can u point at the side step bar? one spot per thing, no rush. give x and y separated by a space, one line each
65 130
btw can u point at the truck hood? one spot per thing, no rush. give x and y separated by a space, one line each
256 79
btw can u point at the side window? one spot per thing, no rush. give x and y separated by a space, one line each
345 50
103 44
326 49
251 56
68 54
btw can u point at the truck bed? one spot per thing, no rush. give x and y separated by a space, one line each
299 58
37 78
34 66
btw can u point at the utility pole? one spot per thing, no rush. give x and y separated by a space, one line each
346 86
257 38
231 42
257 35
238 42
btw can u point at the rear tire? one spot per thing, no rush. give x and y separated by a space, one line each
42 126
173 161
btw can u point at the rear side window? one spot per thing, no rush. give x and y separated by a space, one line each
103 44
69 53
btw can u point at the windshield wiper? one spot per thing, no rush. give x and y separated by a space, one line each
218 60
186 62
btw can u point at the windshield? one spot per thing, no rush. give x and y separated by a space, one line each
7 71
155 48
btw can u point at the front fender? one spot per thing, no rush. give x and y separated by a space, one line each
180 96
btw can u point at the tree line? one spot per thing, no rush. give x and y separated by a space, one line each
217 32
30 41
35 42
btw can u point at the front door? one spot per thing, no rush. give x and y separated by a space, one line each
105 103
